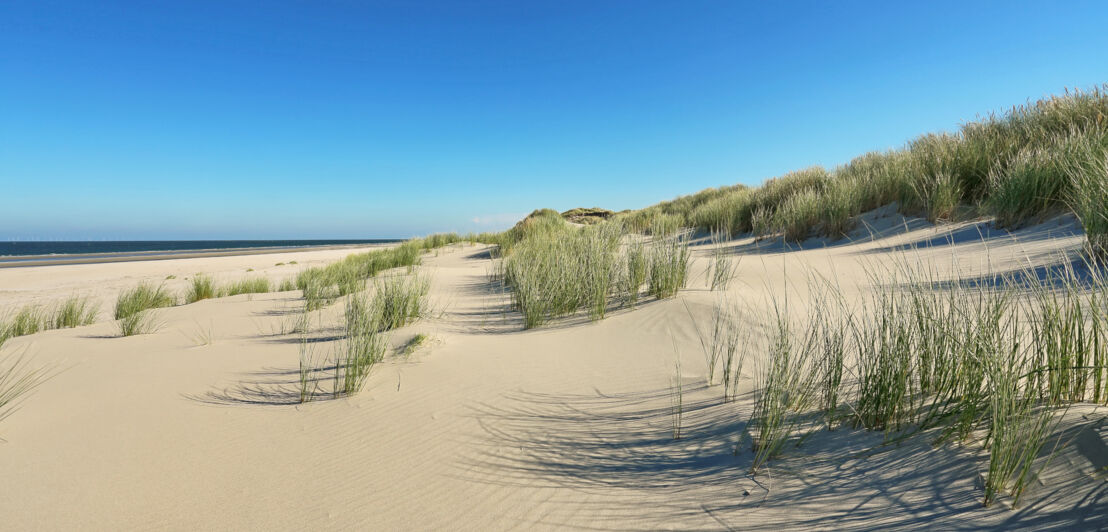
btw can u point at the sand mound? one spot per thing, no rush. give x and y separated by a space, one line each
487 427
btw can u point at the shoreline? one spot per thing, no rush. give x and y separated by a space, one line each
20 261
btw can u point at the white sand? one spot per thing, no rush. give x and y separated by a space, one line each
46 285
487 428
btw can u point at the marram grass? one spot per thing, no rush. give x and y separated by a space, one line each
948 357
1020 166
133 308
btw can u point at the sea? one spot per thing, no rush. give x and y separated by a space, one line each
15 251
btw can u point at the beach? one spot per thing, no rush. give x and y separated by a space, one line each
549 266
101 279
486 426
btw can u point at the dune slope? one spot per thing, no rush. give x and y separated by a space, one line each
489 427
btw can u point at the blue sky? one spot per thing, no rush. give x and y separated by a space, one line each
352 119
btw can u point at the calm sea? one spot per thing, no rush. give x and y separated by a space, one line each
16 249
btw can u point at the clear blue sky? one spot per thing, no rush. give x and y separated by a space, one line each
230 119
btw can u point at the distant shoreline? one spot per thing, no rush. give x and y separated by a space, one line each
19 261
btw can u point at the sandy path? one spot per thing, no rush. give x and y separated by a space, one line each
488 428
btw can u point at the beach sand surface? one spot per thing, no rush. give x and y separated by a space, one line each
488 426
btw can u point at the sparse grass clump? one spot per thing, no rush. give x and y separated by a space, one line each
400 300
725 343
636 261
363 347
1019 426
782 389
17 379
132 308
29 320
316 288
202 287
73 312
321 286
414 344
259 285
669 264
140 298
138 323
677 397
952 358
721 270
201 336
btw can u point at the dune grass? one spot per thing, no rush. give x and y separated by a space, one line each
133 306
669 264
677 397
783 387
397 300
142 297
308 370
400 300
1086 166
257 285
202 335
724 343
17 380
321 286
721 269
736 346
1020 166
942 355
414 344
202 287
286 285
1019 427
635 260
29 320
364 344
76 311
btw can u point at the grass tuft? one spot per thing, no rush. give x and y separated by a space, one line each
669 264
258 285
17 380
202 287
363 347
132 308
400 300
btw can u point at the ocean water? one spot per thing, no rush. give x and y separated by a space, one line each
14 250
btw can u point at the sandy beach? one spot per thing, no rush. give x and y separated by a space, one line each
102 280
553 266
486 426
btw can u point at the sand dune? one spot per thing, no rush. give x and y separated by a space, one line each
488 427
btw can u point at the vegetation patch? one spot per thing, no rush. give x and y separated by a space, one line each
1020 166
587 216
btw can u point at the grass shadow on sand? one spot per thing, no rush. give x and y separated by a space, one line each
269 387
613 456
